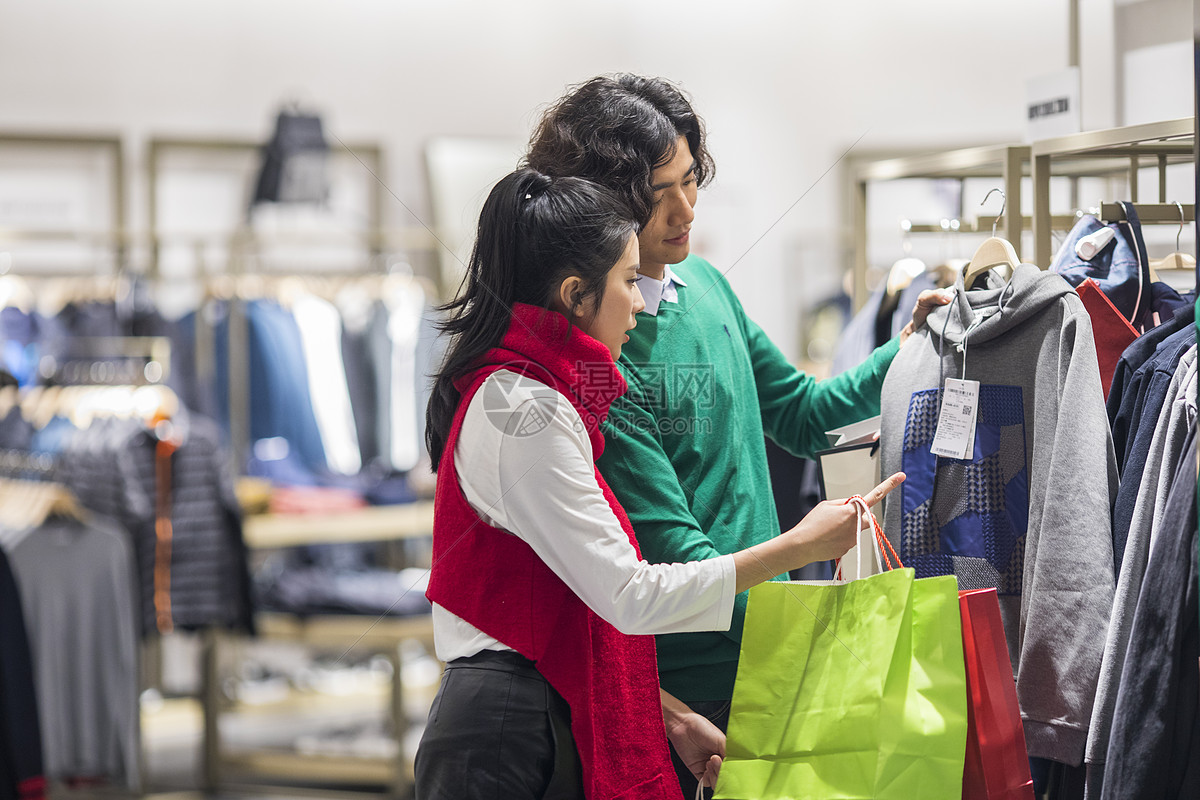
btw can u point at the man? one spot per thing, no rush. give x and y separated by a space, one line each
685 451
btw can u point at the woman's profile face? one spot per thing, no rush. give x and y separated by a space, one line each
621 302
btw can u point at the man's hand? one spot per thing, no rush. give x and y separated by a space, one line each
699 744
927 301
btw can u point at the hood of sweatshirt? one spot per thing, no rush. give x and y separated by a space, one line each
984 314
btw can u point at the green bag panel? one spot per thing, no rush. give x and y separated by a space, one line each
854 690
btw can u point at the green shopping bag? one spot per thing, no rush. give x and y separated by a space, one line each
850 691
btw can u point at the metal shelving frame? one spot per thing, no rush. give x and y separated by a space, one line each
1009 163
116 234
1102 153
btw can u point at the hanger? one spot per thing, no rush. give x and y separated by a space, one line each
1177 260
994 252
28 503
906 269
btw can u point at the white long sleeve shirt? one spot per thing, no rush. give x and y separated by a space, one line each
539 483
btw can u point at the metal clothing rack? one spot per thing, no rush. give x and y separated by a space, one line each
1009 163
158 147
271 531
1149 213
116 235
1106 152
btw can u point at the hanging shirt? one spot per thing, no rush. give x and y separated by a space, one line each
321 334
76 583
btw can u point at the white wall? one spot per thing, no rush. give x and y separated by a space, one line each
785 88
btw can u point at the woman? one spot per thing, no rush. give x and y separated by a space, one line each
538 586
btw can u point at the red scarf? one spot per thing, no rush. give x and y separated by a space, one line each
494 581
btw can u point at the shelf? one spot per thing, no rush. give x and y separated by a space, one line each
1128 149
1132 140
300 767
371 524
365 632
971 162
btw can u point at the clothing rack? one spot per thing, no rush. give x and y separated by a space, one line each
1009 163
1149 213
113 361
1105 152
24 465
116 235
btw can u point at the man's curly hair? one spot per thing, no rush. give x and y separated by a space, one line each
616 131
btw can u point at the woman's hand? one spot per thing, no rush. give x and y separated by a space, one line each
699 744
825 533
927 301
832 526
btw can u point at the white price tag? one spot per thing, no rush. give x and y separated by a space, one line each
955 434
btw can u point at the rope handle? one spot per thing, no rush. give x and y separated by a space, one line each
883 547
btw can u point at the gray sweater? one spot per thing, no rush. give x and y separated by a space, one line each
1029 513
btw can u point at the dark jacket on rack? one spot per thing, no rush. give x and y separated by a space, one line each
1127 383
111 468
1154 750
21 776
1146 395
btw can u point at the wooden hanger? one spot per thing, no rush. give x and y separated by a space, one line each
903 273
1173 261
994 252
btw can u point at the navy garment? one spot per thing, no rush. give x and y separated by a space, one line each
364 402
54 437
1154 750
307 591
1121 269
91 319
15 432
19 344
20 732
1139 413
280 404
1119 417
902 315
181 375
1165 301
197 392
860 337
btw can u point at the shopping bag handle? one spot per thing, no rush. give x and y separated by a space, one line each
883 548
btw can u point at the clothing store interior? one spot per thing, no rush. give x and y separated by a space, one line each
226 233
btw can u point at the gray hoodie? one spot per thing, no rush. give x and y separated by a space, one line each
1029 513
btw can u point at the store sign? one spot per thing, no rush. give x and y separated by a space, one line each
1052 105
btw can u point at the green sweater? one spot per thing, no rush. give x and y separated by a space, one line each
684 449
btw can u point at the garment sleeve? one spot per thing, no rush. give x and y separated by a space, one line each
1068 586
547 494
797 409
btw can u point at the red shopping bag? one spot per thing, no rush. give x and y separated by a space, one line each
997 765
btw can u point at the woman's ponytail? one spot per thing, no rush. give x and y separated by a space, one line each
533 232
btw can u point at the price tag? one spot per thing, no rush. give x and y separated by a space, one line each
955 434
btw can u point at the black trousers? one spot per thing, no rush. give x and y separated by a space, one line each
497 731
